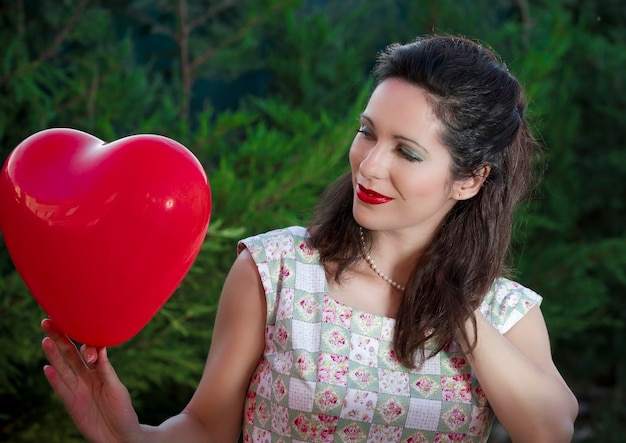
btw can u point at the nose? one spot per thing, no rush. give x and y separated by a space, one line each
374 162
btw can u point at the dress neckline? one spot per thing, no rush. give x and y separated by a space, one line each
355 310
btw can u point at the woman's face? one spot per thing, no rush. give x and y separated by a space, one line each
400 169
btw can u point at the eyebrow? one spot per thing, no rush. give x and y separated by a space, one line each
397 136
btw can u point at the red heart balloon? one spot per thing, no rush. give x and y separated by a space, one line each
102 233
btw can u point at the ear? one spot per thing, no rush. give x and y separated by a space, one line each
466 188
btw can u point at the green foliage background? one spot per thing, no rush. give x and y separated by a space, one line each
266 93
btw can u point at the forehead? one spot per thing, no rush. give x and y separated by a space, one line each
404 108
403 98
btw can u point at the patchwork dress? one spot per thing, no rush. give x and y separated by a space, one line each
329 373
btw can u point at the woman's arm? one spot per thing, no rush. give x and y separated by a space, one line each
524 388
216 407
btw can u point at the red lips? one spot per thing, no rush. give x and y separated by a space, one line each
371 197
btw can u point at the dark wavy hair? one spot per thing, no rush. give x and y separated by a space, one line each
481 108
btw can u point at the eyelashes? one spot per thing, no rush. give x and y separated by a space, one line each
365 132
402 150
409 154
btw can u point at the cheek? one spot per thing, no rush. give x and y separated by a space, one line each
429 186
354 156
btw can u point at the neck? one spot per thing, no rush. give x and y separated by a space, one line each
374 266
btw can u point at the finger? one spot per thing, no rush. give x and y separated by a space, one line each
61 367
104 367
67 362
51 328
65 347
89 354
97 359
59 386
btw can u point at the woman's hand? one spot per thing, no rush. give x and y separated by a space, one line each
88 386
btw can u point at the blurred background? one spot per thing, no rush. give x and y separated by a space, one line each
267 94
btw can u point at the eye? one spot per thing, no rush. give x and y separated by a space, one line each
409 154
366 132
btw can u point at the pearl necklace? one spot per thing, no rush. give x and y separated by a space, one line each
369 260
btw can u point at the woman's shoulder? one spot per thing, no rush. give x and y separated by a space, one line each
277 244
289 231
284 262
506 302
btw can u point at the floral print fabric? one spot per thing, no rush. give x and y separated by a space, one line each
329 373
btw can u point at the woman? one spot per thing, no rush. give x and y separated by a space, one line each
388 319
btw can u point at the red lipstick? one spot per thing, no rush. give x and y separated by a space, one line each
370 197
